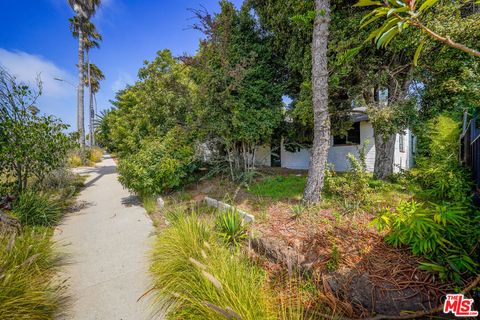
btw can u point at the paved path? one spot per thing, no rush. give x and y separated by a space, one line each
107 242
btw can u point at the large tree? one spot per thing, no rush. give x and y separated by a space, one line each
84 10
239 100
94 76
321 116
92 40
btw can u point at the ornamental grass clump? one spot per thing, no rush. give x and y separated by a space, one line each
36 209
198 278
27 266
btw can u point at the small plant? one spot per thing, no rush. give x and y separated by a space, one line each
230 227
445 234
36 209
332 263
352 187
149 204
297 210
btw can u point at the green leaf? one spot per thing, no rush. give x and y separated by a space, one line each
387 37
417 53
366 3
426 5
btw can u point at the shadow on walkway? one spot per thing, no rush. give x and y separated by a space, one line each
100 171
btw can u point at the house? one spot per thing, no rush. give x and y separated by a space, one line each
360 132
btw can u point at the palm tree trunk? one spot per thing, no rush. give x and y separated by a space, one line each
321 117
90 104
80 91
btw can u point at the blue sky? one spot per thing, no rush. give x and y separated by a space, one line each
36 39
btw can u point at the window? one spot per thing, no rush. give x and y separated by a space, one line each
401 142
352 137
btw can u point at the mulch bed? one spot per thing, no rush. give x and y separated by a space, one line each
369 277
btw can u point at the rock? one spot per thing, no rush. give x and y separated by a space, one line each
9 224
160 203
224 207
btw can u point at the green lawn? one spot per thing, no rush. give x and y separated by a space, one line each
280 187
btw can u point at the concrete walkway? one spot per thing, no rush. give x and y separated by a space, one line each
107 243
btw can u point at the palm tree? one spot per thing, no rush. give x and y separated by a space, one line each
92 39
94 76
84 10
321 117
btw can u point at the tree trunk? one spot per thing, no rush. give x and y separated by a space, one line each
91 113
321 117
384 155
80 91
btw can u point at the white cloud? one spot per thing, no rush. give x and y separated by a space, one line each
122 81
26 67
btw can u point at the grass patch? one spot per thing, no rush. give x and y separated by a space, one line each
36 209
199 279
27 266
94 154
149 204
280 187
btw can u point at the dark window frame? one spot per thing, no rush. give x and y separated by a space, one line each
352 137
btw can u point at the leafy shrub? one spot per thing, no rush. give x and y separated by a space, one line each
58 179
196 278
160 165
31 145
351 187
445 234
27 267
439 171
230 227
36 209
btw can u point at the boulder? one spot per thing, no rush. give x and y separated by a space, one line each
9 224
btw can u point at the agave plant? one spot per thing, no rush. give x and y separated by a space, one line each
230 227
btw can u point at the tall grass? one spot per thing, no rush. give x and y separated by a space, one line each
196 278
94 154
36 209
27 266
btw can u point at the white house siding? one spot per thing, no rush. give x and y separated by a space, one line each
337 154
403 160
295 160
263 156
